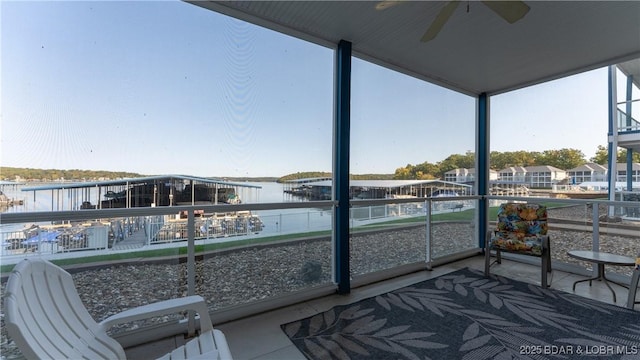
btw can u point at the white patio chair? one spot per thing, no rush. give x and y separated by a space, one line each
47 320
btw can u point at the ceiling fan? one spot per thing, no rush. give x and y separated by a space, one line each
511 11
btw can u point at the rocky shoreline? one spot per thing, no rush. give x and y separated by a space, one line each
260 272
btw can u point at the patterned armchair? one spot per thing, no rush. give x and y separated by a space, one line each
521 229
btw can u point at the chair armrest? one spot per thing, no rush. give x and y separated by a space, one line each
172 306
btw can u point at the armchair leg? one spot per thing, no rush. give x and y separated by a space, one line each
633 287
487 260
543 282
487 253
549 255
546 262
546 268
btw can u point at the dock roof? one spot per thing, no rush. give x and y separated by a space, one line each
386 183
138 180
7 183
308 180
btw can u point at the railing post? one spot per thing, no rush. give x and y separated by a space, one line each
191 266
595 218
427 207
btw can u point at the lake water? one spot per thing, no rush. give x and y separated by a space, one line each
278 221
275 221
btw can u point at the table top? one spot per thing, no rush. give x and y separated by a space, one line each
602 257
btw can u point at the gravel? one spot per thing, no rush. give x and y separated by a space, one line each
253 273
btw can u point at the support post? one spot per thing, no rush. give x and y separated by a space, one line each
429 242
595 235
482 166
342 126
628 124
613 135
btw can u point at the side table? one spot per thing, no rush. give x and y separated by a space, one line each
601 259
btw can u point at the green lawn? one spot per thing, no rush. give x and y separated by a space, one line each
465 215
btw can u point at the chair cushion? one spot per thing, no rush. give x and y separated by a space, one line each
522 218
525 227
518 242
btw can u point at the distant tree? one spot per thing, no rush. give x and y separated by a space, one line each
525 158
10 173
602 156
562 159
426 171
403 173
456 161
622 156
304 175
500 160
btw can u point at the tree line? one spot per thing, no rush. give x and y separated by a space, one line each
30 174
564 159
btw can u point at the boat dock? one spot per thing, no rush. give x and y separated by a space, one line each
320 188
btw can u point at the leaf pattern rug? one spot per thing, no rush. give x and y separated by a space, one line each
465 315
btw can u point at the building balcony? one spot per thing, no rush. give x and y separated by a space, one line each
628 132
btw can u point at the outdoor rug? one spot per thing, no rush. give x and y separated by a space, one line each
465 315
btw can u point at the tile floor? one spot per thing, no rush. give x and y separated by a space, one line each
260 337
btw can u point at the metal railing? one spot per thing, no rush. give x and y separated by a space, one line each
626 123
230 273
69 233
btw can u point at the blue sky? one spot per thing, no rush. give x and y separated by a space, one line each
167 87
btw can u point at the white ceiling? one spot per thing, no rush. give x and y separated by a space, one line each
476 51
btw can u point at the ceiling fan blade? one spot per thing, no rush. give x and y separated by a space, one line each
383 5
511 11
440 20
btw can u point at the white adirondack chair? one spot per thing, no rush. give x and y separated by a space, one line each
47 320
